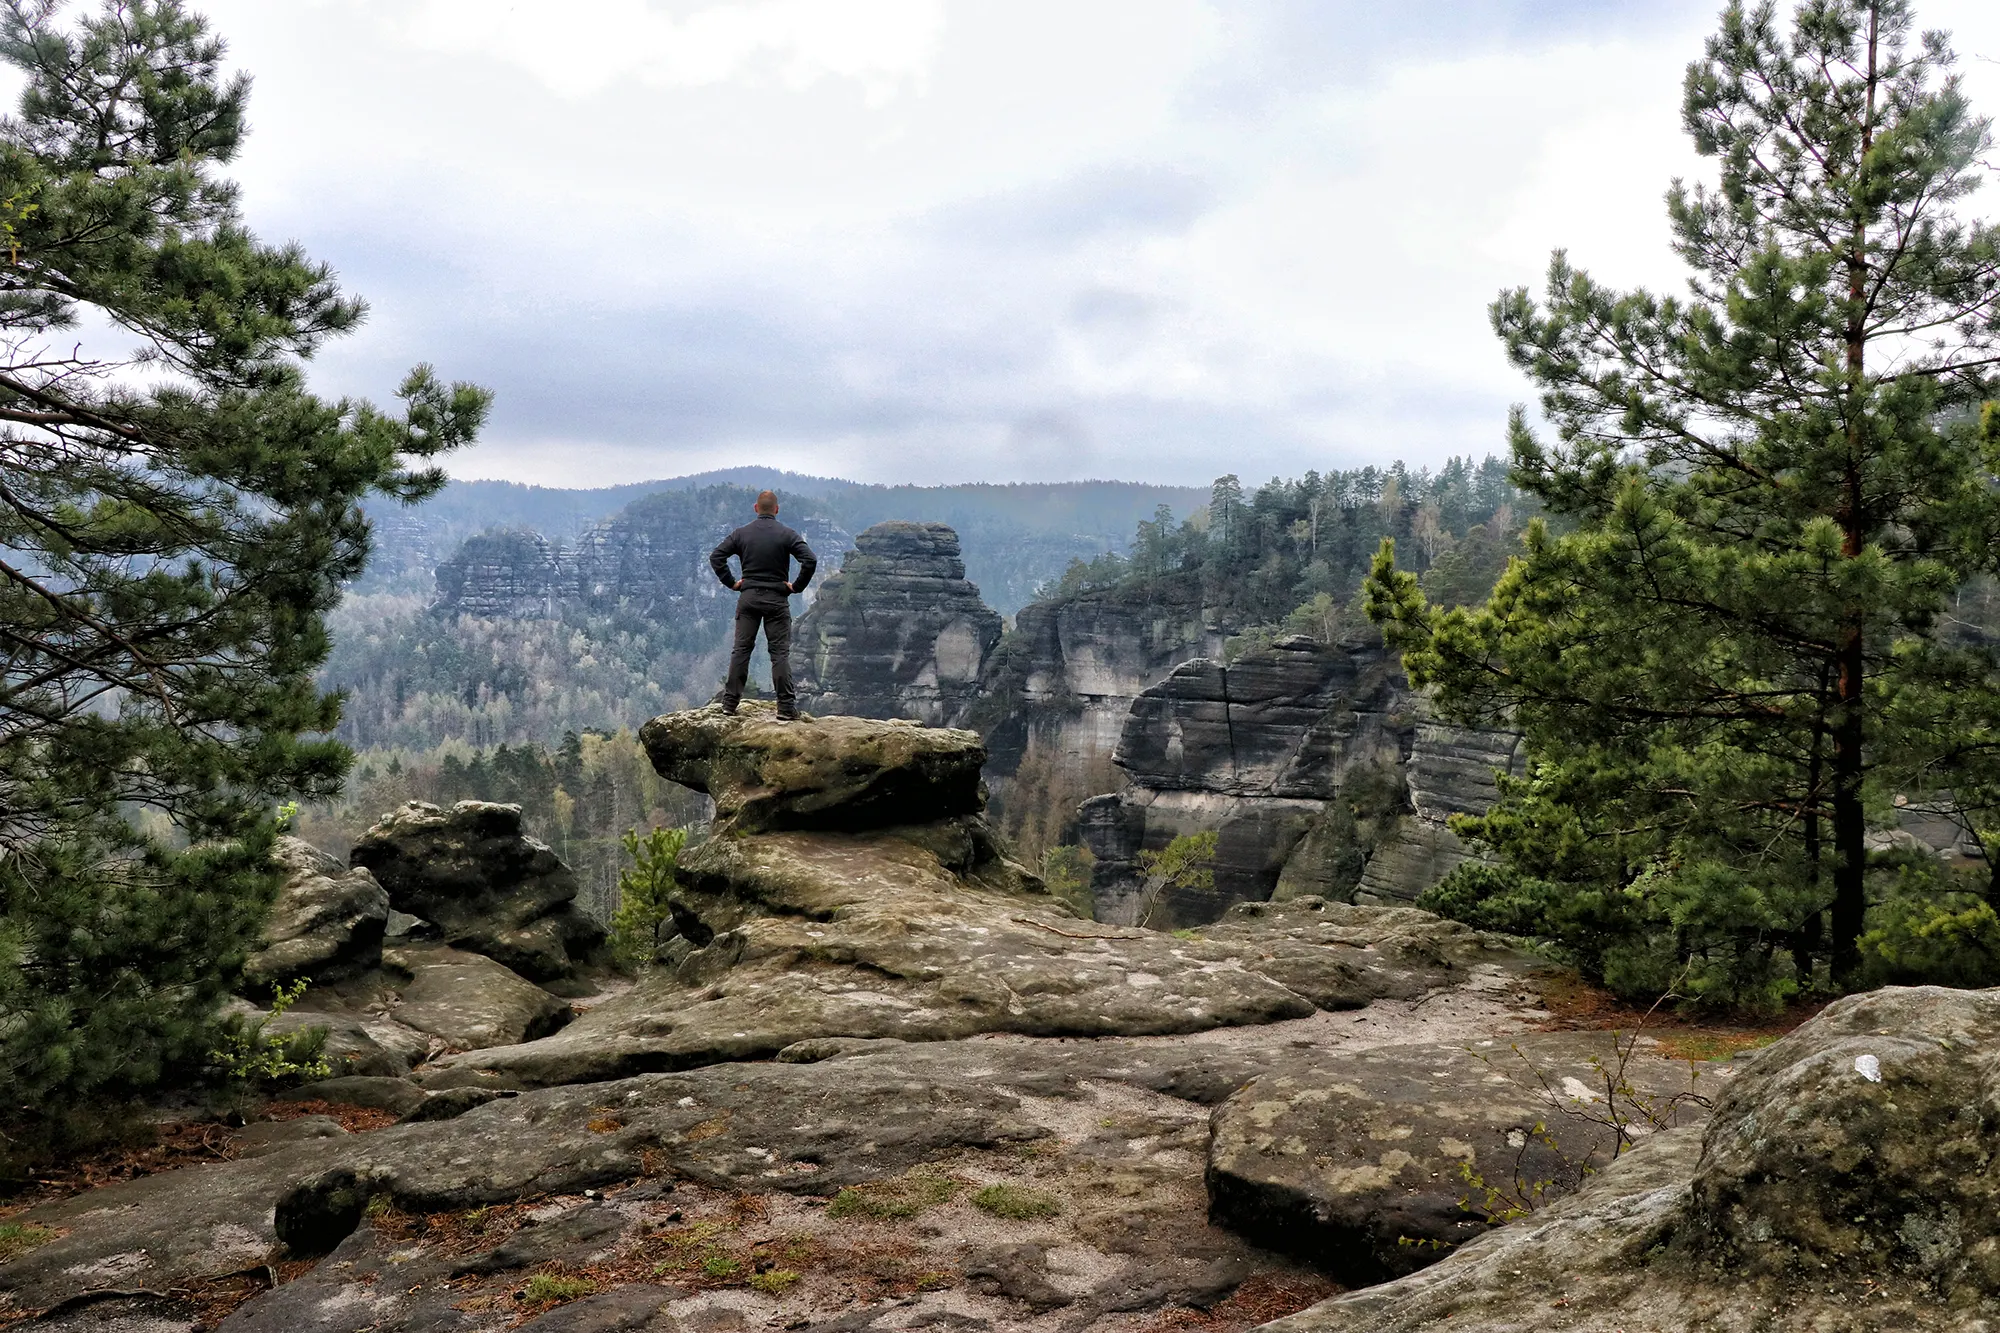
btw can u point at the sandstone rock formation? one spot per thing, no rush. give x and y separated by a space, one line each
326 924
897 631
468 1001
508 572
833 772
851 890
1376 1163
1312 764
1253 751
488 887
1451 770
1055 697
1843 1184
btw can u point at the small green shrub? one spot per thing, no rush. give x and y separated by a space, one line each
1066 874
553 1288
1015 1203
247 1055
1953 940
1702 930
1187 863
776 1282
719 1265
644 916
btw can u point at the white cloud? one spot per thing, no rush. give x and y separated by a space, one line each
938 239
887 46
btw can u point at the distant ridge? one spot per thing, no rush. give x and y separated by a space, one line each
1015 534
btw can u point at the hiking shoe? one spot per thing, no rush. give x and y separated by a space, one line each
729 710
788 715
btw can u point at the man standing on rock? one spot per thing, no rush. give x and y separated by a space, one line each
765 549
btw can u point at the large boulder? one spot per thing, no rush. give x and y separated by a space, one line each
326 924
1845 1182
468 1001
1377 1163
489 887
834 773
898 631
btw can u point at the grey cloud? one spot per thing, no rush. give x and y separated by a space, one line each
1104 201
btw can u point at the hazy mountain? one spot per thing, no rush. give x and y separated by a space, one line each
1015 537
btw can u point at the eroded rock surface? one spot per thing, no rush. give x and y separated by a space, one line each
1376 1163
488 887
1114 1130
842 773
1844 1183
326 924
468 1001
927 931
1312 763
898 631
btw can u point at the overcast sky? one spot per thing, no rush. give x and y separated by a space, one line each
920 240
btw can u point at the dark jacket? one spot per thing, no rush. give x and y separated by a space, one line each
766 547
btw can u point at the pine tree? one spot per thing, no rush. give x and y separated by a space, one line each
173 530
1772 486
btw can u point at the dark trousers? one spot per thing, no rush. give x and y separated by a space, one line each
772 610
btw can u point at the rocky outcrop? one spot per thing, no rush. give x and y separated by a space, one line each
326 924
832 773
869 1011
1451 771
898 631
1064 680
508 572
485 884
812 913
1253 751
1313 765
1843 1184
468 1001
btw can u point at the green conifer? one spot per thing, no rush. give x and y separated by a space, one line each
1770 488
173 529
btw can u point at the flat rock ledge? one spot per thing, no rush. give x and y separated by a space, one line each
831 773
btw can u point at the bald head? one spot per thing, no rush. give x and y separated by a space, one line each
767 502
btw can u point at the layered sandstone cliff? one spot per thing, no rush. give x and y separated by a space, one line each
1314 766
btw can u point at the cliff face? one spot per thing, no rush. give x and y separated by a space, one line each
1313 766
1055 697
509 573
650 558
898 631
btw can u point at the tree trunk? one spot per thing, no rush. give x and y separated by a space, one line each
1850 864
1806 939
1850 902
